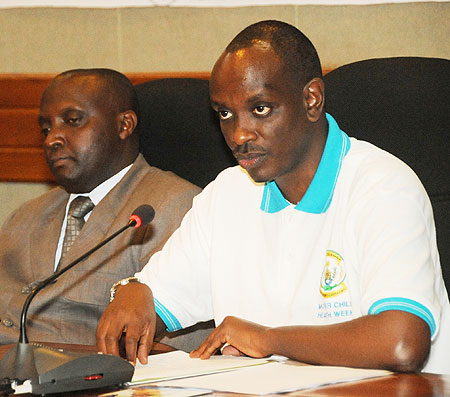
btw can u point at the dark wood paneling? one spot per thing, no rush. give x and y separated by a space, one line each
19 128
24 165
24 90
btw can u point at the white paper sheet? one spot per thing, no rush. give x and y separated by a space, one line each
178 364
276 377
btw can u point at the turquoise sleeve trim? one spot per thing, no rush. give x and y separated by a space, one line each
169 319
406 305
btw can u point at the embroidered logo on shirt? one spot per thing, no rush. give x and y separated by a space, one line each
333 276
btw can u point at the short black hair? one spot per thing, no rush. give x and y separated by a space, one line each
295 50
118 87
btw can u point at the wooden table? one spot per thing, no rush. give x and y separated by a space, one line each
398 385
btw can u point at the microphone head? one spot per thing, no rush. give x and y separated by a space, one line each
142 215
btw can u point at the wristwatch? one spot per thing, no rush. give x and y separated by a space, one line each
124 281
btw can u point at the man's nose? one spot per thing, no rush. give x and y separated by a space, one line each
54 139
243 133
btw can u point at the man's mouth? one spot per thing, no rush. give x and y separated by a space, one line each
248 160
59 161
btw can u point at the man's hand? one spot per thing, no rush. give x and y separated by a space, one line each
393 340
244 338
131 312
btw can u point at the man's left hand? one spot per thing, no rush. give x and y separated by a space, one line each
243 338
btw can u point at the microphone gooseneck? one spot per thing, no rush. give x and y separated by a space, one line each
55 371
142 215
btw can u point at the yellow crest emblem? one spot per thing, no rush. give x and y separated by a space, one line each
333 275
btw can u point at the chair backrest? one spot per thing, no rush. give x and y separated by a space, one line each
403 106
179 131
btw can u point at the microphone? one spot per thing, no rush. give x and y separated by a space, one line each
54 371
142 215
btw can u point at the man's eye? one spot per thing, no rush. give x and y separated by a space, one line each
73 120
224 114
262 110
45 130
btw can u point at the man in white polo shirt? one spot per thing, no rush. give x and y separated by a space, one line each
319 247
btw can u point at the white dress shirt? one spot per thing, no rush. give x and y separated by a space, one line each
96 196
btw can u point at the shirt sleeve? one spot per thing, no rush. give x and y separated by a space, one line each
178 275
396 245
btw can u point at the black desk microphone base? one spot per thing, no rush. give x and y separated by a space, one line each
54 371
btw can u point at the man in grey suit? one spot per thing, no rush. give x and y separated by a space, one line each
88 118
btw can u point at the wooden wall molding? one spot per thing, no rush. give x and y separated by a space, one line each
21 155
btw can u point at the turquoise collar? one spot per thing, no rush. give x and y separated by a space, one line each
318 197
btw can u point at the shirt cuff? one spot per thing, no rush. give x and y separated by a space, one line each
169 319
406 305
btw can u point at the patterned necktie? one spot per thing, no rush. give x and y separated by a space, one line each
79 207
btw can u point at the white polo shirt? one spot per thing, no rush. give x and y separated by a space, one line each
361 241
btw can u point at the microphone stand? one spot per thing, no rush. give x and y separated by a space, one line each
52 370
23 331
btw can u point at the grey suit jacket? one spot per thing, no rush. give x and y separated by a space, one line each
68 310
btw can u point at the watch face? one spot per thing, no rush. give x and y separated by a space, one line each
128 280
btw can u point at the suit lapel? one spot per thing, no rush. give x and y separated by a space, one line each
107 217
43 244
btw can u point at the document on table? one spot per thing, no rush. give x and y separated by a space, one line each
178 364
241 374
275 377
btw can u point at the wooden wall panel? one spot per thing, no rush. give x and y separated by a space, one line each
24 165
24 90
21 90
19 128
21 155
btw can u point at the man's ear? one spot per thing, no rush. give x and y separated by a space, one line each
127 123
314 98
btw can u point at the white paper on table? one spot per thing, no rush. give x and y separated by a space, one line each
178 364
276 377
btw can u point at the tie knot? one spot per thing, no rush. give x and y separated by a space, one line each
80 206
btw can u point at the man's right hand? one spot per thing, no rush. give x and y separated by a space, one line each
132 312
